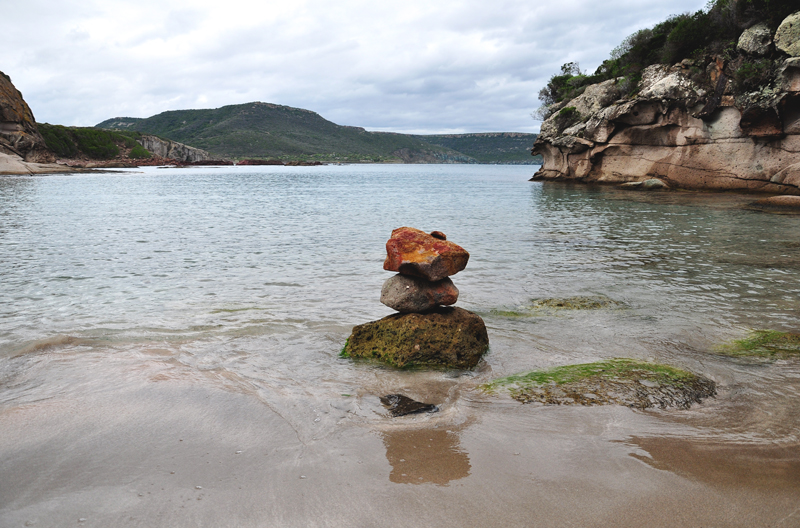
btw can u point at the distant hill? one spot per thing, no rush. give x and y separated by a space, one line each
263 130
488 147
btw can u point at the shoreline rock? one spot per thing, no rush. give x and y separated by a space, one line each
689 125
447 337
779 203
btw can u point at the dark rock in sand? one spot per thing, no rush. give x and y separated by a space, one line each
444 337
411 294
416 253
399 405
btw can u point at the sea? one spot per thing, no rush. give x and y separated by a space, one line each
248 280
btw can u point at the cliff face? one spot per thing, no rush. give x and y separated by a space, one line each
688 125
166 148
18 133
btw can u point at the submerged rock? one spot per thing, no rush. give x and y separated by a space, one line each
779 203
652 184
626 382
416 253
444 337
399 405
764 344
411 294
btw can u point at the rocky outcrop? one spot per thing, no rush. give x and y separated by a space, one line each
688 126
787 38
166 148
444 337
19 136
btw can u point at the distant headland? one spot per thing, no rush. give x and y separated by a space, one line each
249 134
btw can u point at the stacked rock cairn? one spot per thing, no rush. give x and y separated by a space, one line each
427 330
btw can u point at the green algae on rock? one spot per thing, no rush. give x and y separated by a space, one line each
446 337
629 382
764 344
545 306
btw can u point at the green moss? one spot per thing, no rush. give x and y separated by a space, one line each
612 368
139 152
343 353
510 313
445 337
764 343
550 305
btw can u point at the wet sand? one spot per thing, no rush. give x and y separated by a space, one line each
161 371
152 443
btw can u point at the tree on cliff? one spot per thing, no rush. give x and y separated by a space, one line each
713 30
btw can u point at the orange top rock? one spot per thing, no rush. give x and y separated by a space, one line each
413 252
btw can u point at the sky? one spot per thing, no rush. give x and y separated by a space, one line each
412 66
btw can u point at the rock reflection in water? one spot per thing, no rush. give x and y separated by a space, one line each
725 464
425 455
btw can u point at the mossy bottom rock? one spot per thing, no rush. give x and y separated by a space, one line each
444 337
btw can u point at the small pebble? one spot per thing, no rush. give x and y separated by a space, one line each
81 520
302 476
198 487
238 452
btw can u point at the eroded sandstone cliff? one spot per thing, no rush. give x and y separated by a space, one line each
18 133
689 125
166 148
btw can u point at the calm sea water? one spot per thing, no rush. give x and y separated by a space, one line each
256 276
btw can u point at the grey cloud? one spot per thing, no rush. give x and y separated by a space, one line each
432 66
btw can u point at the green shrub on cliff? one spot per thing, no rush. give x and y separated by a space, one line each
139 152
59 140
93 143
714 29
752 74
97 144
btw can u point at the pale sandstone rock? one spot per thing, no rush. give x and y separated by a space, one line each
787 38
789 75
596 97
673 86
166 148
755 40
13 164
670 132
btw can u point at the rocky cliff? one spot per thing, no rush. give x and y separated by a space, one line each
693 125
18 133
166 148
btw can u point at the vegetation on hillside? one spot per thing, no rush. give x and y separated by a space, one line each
500 147
268 131
89 142
713 30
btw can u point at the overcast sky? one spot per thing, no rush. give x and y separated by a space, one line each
425 66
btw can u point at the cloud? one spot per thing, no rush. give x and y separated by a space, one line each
405 66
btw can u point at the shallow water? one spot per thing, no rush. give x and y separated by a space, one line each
130 299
